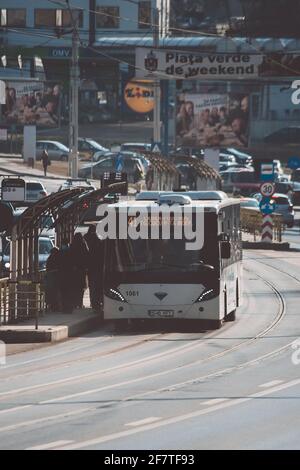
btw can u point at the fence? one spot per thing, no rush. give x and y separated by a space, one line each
20 301
4 301
251 223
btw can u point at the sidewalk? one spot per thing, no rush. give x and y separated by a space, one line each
16 166
249 243
52 327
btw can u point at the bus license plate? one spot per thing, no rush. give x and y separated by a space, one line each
161 313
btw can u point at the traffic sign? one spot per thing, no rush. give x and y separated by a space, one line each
156 147
119 162
267 172
267 189
267 206
294 163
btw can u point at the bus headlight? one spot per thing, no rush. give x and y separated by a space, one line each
207 294
114 294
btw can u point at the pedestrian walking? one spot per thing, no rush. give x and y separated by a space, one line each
45 161
95 267
79 254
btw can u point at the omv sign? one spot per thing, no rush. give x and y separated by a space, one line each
61 52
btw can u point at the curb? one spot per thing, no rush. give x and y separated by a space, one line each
52 335
284 246
31 175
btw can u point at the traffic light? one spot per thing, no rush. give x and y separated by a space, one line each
6 216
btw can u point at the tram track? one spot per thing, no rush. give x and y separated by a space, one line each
142 362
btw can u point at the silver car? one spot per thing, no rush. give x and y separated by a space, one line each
56 150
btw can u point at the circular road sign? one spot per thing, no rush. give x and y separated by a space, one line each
267 206
267 189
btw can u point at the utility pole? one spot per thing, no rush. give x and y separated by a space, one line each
73 117
157 94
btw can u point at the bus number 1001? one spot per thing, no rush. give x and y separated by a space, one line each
132 293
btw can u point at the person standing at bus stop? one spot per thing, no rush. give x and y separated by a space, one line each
95 267
45 161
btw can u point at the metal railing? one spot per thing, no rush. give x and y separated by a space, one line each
4 301
21 300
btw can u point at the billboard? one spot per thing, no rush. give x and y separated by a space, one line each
170 64
212 120
31 102
138 96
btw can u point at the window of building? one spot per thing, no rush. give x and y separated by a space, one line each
61 18
13 17
108 17
145 14
45 18
67 19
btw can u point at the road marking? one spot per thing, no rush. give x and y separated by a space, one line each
50 445
42 420
16 408
271 384
214 401
178 419
143 421
157 356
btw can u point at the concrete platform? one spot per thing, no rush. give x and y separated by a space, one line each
280 246
52 327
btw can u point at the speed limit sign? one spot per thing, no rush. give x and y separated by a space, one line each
267 189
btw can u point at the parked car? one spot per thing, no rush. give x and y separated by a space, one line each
286 135
45 247
56 150
135 147
239 181
89 147
35 190
240 157
250 203
131 163
296 175
284 207
75 183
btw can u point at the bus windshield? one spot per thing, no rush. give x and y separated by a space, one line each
161 255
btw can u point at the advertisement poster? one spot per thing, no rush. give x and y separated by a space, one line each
31 102
212 120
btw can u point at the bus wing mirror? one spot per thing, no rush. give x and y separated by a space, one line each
225 250
223 237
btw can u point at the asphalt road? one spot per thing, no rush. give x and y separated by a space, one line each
168 388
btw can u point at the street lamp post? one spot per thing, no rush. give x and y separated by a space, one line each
73 119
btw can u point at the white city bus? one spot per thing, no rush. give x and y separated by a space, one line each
161 278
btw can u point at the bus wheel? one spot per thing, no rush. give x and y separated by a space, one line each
231 316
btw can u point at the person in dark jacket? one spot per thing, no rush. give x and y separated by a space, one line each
80 260
95 267
65 272
51 281
45 161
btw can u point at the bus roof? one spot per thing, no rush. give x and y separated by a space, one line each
209 205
